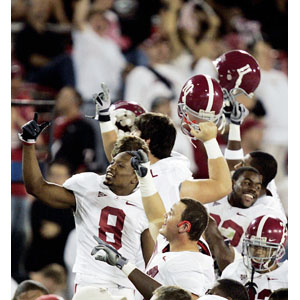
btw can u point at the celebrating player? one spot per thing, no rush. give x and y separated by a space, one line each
234 213
108 206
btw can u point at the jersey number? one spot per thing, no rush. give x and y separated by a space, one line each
264 294
115 230
231 224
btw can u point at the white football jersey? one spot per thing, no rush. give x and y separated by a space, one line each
272 201
118 220
168 173
266 283
192 271
233 221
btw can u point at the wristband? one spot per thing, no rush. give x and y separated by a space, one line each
234 133
106 126
128 268
212 149
26 142
234 154
147 186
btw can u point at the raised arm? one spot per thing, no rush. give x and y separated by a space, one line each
153 205
108 132
50 193
235 113
219 183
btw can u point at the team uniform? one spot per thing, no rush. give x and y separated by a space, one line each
117 220
168 174
233 221
266 283
192 271
273 199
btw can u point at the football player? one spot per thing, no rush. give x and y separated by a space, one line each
180 263
239 74
234 212
260 269
108 206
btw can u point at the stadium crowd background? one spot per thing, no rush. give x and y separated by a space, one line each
57 66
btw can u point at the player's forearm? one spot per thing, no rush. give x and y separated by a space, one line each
234 152
32 175
54 195
223 253
109 138
219 173
143 283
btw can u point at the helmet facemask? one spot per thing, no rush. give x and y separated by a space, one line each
185 114
273 252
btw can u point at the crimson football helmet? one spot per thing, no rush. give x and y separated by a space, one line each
264 243
238 72
123 114
201 98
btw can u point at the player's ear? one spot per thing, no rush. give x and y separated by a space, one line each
148 142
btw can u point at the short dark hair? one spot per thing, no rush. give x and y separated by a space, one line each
266 165
171 293
280 294
29 285
161 131
129 143
197 215
242 170
233 289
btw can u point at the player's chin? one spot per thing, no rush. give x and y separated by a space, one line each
107 182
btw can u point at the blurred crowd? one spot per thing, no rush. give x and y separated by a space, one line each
144 50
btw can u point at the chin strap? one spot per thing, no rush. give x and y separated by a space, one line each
251 286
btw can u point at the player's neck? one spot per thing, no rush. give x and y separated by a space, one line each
152 159
122 191
183 245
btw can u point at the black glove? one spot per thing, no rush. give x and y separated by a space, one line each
31 130
102 101
111 255
139 158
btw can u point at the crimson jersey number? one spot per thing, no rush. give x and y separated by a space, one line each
239 231
116 230
264 294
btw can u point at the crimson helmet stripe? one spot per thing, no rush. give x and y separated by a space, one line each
211 92
261 225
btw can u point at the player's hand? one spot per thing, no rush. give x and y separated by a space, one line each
208 131
102 101
31 130
139 162
108 254
235 112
